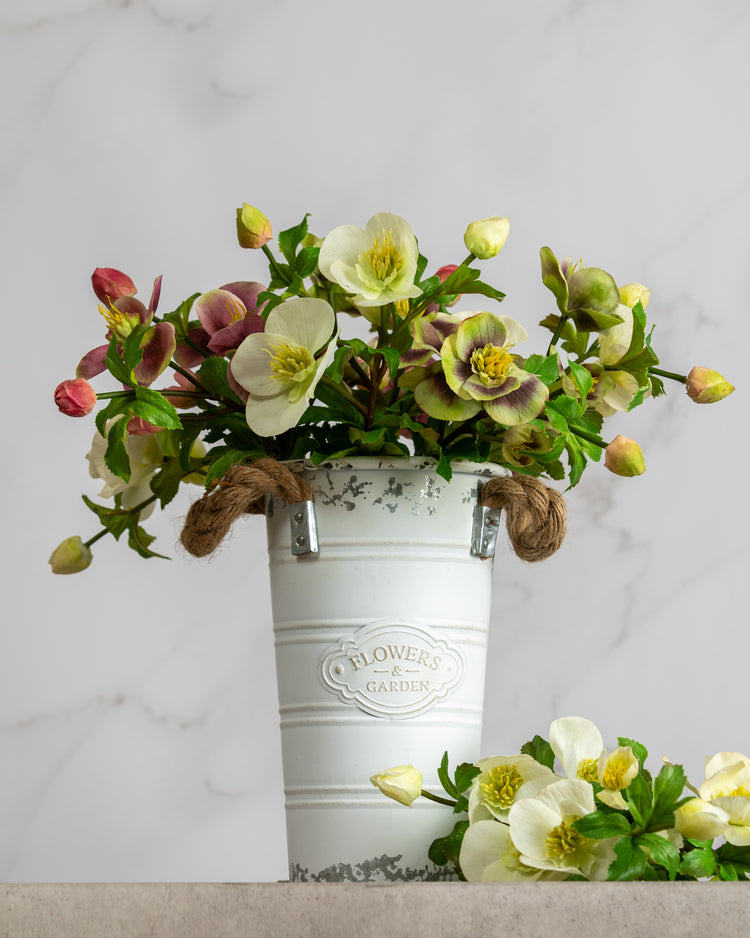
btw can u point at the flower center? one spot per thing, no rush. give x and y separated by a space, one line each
564 840
491 363
730 793
588 770
289 361
500 785
120 323
384 257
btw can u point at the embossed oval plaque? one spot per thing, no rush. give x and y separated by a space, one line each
392 668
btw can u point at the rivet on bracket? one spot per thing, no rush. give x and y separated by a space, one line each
303 528
484 532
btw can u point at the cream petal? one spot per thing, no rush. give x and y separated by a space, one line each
251 363
615 341
268 416
722 760
530 823
482 845
305 321
342 247
573 739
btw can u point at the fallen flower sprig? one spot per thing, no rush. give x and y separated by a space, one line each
602 816
264 370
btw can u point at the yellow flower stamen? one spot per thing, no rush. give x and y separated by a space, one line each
731 793
384 257
500 784
238 310
579 265
120 323
564 840
588 770
402 308
491 363
288 361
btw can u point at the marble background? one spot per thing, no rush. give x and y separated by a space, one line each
138 726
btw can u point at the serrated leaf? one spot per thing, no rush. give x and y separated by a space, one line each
290 239
668 786
638 797
629 863
583 379
212 374
538 748
465 775
448 849
140 541
307 261
639 750
545 367
116 456
699 863
661 851
115 520
116 366
152 406
598 825
728 873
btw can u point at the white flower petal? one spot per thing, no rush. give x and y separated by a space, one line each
574 739
304 321
482 845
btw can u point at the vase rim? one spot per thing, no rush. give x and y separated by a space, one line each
416 464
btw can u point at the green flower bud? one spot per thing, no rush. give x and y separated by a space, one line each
485 238
402 783
253 228
71 556
624 457
707 387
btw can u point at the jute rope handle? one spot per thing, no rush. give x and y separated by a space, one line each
535 514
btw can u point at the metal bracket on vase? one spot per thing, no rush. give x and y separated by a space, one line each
484 532
303 528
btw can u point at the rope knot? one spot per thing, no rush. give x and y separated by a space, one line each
534 514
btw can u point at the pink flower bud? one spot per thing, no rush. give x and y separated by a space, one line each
624 457
253 228
111 284
707 387
75 397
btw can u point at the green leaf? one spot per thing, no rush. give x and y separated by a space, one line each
140 541
629 863
166 482
583 379
290 239
546 368
443 467
576 459
597 825
115 520
662 852
307 261
668 786
421 267
699 863
466 280
448 849
152 406
116 366
132 351
116 456
553 279
212 374
445 779
539 749
638 797
728 873
465 775
114 408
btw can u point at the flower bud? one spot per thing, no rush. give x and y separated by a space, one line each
707 387
253 228
624 457
700 819
75 397
485 238
631 293
110 284
71 556
402 783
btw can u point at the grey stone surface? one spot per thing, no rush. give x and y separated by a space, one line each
334 910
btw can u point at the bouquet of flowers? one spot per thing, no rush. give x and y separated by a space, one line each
261 370
605 818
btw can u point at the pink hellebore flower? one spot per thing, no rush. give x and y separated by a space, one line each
75 397
705 386
624 457
227 316
124 314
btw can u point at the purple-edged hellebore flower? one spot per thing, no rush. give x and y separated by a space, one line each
486 238
278 367
71 556
481 373
75 397
624 457
253 228
122 316
403 783
705 386
227 316
375 265
110 284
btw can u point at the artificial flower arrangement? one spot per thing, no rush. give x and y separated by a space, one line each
605 818
262 370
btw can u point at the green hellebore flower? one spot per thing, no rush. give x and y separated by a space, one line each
587 295
253 228
705 386
624 457
486 238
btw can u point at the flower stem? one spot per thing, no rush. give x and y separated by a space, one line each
345 393
557 333
587 435
95 538
437 799
277 271
669 374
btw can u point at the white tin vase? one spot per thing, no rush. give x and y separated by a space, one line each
381 642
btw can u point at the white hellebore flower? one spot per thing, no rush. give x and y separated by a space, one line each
488 855
542 830
146 456
700 819
278 367
503 780
403 783
727 786
377 265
